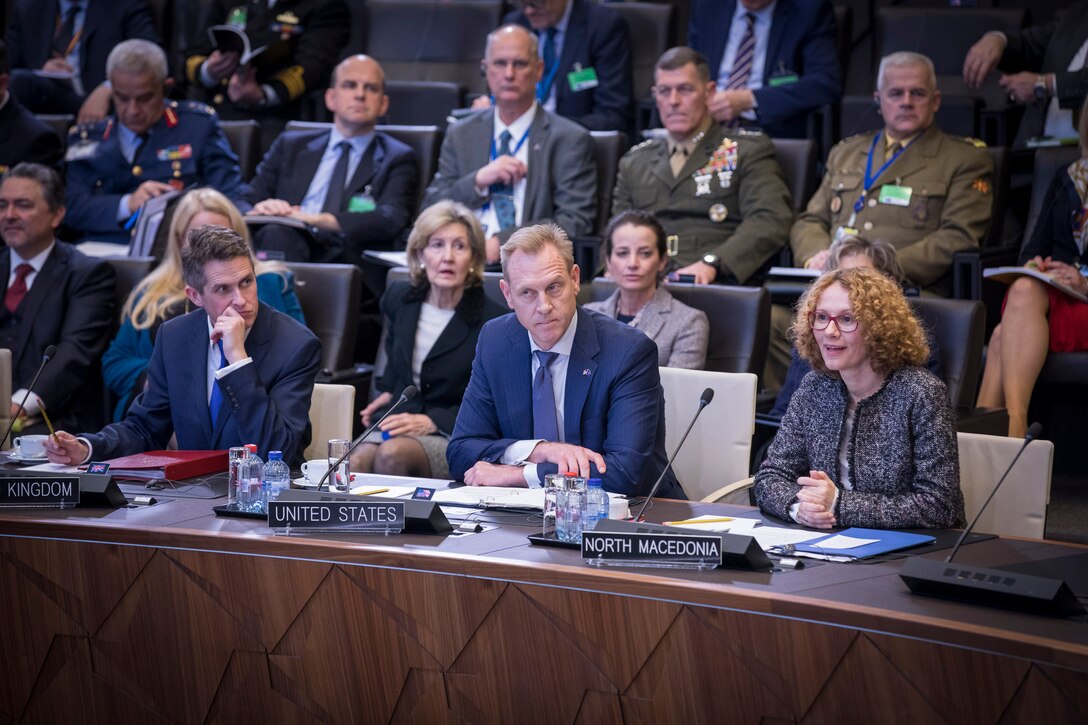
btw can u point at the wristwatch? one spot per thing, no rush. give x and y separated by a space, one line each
1041 92
713 260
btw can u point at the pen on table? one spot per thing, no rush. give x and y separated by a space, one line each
48 423
371 492
707 520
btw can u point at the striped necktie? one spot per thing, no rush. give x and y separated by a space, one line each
742 62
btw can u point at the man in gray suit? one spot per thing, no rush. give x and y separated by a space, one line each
516 164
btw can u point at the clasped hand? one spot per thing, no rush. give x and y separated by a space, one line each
230 327
817 498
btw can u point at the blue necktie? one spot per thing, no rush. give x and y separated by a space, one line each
334 195
545 423
502 195
547 54
216 400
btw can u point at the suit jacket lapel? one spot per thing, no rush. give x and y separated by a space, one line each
452 336
538 166
367 168
661 168
779 22
517 378
45 286
581 368
572 43
652 316
309 158
699 155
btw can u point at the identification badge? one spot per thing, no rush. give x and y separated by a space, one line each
361 204
582 80
783 80
238 17
895 195
81 151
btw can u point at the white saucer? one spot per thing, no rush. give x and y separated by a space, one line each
22 459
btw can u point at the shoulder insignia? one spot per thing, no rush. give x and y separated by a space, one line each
94 128
645 144
976 142
171 116
749 131
194 107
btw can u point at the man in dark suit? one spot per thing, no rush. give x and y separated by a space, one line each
591 383
71 38
365 202
1045 68
786 70
231 373
22 136
517 164
53 295
150 148
587 68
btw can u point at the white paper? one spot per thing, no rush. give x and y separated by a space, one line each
492 496
772 536
52 468
736 526
845 542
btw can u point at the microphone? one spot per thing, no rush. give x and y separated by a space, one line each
704 400
46 357
1033 432
406 395
988 587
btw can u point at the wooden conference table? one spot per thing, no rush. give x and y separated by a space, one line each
170 614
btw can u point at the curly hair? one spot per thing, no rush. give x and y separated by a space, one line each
892 334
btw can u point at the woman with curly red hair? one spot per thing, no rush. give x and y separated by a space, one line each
868 438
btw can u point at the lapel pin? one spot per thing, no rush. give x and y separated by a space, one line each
585 373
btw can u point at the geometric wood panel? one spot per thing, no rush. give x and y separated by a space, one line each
109 633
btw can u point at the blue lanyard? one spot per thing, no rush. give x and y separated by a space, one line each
870 177
544 87
494 152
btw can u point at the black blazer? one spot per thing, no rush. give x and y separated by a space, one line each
106 23
389 167
596 38
1053 234
24 138
71 305
446 370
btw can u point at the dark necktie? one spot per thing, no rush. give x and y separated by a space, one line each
334 197
545 423
547 54
66 30
502 195
216 401
17 291
892 150
742 62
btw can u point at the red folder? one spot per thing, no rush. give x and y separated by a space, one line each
171 465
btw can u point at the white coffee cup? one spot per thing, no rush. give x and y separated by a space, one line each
29 446
313 470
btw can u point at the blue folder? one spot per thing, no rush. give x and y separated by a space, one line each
886 542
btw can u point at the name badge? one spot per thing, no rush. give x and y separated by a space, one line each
361 203
81 151
39 491
583 80
895 195
664 549
783 80
379 517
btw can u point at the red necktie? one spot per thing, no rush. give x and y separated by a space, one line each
17 291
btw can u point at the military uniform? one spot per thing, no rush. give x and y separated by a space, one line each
303 40
948 206
729 199
186 147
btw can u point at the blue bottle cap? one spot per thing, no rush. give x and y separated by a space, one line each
275 455
594 482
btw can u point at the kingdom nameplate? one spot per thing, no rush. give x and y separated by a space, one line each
369 517
39 491
609 548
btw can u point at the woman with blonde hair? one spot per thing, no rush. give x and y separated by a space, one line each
431 324
160 295
868 439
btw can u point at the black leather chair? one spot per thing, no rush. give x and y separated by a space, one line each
128 272
608 147
649 26
245 139
426 140
329 296
59 122
797 157
421 103
740 322
431 40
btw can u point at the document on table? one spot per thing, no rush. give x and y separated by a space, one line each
772 536
492 497
735 525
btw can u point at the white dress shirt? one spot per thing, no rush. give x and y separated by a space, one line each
519 128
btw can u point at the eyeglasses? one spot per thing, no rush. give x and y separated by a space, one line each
820 321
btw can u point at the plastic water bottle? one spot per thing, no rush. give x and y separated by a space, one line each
249 485
596 505
275 477
570 509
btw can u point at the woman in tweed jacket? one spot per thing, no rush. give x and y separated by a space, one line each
635 255
868 439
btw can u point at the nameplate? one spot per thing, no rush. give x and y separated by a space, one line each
39 491
652 549
378 517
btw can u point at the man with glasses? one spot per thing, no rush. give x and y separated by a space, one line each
586 51
355 185
517 164
718 192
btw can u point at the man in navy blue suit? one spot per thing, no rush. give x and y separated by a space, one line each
590 383
230 373
368 205
778 76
